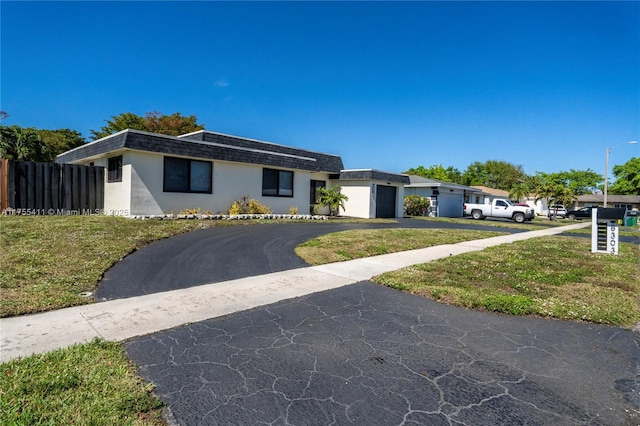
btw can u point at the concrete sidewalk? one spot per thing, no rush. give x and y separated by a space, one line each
126 318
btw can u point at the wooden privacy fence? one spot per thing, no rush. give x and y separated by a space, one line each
50 188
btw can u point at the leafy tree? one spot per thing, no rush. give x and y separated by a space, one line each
450 174
59 141
174 124
154 121
494 174
31 144
627 178
20 143
332 198
579 181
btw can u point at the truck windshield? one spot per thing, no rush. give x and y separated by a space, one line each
509 202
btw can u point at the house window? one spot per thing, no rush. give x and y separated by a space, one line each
184 175
277 183
623 206
114 169
315 184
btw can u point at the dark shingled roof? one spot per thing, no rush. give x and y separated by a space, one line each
208 145
370 174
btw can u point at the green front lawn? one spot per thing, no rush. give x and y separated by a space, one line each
91 384
356 244
554 277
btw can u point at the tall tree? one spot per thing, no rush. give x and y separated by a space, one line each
59 141
555 194
579 181
627 178
494 174
450 174
31 144
174 124
153 121
20 143
519 191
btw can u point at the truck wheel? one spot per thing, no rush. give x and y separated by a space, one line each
518 217
571 217
476 214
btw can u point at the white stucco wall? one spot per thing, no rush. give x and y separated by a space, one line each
141 189
117 195
360 203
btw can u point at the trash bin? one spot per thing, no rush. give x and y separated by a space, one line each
631 221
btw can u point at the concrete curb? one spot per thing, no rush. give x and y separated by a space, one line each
122 319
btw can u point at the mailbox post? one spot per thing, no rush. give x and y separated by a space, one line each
604 229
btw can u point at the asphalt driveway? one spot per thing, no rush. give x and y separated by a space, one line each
368 355
226 253
364 354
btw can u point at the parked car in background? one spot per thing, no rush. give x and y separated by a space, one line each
499 208
557 210
582 213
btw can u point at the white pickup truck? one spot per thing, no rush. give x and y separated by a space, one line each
501 208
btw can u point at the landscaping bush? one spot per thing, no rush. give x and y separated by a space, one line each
248 206
415 205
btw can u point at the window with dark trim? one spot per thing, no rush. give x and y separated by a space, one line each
184 175
277 183
114 169
315 184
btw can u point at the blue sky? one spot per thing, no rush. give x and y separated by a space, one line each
385 85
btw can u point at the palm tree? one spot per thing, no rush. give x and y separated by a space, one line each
555 194
519 191
332 198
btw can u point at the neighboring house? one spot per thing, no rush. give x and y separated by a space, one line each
447 198
491 193
154 174
630 202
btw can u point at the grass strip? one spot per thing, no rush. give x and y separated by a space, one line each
49 261
535 224
90 384
554 277
356 244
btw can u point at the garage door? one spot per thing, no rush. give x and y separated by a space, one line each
450 205
386 201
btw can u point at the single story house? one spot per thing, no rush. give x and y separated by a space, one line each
630 202
447 198
154 174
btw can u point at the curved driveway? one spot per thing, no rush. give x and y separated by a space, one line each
367 355
226 253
